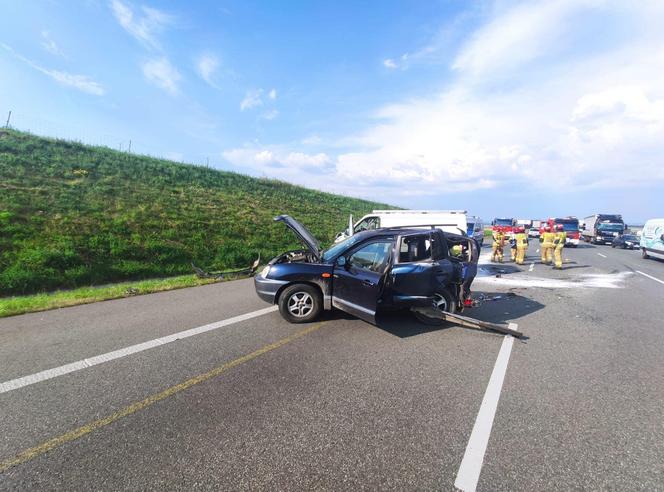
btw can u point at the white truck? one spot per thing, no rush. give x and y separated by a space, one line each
453 221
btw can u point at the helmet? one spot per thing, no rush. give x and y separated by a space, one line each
547 228
559 227
521 229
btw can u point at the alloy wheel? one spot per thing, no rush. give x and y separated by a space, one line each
300 304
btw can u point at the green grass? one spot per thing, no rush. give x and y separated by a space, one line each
10 306
73 215
488 233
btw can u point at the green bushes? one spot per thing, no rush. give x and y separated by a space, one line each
74 215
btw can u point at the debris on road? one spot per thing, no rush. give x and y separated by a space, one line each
200 273
457 319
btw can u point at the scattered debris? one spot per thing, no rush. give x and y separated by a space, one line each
200 273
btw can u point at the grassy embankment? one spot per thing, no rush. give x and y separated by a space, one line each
74 216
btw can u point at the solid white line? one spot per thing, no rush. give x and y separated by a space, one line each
532 266
600 254
471 465
133 349
650 277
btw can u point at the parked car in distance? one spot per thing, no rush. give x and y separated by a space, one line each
387 268
625 241
534 230
652 239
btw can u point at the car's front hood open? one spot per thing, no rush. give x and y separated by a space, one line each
302 232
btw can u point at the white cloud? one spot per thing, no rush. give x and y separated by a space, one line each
79 82
143 26
161 73
389 63
270 115
252 99
521 34
583 119
207 65
50 45
268 159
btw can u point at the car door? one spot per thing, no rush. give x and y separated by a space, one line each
411 281
358 279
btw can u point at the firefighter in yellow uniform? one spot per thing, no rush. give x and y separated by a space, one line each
547 245
497 246
558 244
521 245
513 245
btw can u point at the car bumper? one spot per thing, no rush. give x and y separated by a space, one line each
575 242
267 288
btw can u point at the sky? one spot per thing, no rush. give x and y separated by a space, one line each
503 108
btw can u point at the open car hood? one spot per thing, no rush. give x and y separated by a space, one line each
302 232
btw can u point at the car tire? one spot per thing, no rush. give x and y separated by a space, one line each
444 300
613 246
300 303
644 255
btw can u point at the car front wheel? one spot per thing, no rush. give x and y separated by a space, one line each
300 303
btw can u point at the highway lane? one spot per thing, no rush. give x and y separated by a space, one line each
350 405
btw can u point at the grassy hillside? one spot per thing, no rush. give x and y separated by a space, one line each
73 215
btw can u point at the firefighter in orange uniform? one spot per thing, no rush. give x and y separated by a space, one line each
547 245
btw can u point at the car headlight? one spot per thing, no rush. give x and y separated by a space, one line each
265 271
599 237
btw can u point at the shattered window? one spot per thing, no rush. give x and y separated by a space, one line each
415 248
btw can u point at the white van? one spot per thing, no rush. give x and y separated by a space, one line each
453 221
652 239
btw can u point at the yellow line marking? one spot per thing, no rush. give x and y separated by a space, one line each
47 446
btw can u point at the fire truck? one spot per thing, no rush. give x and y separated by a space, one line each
505 225
570 226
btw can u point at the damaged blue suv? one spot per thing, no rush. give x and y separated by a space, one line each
374 270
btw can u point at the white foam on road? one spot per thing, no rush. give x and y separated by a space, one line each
124 352
650 277
602 281
473 458
532 267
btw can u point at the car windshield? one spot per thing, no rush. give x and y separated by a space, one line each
630 237
339 247
611 227
503 222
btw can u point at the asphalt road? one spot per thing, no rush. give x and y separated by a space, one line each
344 404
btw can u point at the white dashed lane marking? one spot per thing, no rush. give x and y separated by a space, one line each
473 459
117 354
600 254
650 277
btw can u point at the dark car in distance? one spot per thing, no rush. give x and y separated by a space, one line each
625 241
373 270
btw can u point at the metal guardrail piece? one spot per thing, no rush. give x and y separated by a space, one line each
510 329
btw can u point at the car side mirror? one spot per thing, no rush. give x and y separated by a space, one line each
341 261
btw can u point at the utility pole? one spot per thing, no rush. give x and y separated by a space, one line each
129 151
8 118
207 162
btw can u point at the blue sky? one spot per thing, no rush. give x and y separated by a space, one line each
505 108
